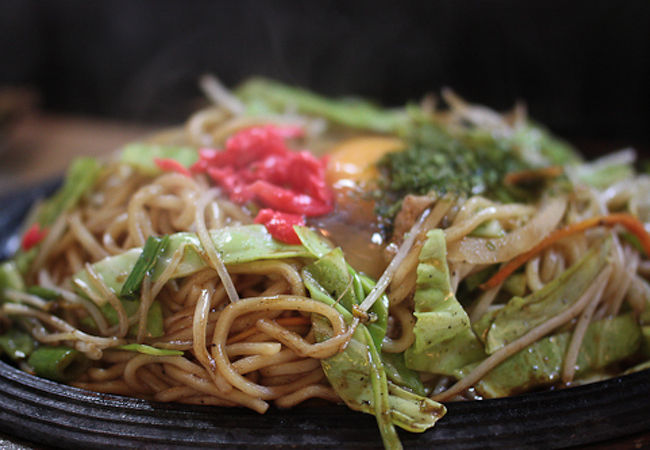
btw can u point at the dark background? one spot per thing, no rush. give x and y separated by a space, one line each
582 67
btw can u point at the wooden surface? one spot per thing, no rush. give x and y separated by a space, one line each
40 147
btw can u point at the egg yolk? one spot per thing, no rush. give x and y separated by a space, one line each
352 166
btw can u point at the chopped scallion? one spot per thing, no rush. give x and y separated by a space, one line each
143 266
44 293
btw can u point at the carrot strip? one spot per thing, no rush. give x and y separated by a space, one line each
533 174
285 321
631 223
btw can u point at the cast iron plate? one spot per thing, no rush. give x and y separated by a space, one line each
56 415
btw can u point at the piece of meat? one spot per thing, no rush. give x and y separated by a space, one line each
412 207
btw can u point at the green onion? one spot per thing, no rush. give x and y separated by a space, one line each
143 266
62 364
44 293
16 344
149 350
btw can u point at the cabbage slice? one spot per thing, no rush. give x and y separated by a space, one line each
522 314
444 340
357 373
143 156
540 364
236 244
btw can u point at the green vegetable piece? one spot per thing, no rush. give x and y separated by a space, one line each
604 177
79 179
62 364
357 287
490 229
16 344
263 96
314 242
607 170
474 280
605 342
381 400
154 317
235 244
154 321
645 343
318 246
520 315
515 284
641 288
333 274
482 326
444 341
534 142
142 156
44 293
149 350
358 376
10 277
143 266
398 373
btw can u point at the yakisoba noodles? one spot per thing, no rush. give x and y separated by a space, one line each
177 275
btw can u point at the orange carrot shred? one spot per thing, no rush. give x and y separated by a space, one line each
631 223
285 321
533 174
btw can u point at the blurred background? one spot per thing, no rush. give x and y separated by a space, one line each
80 76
